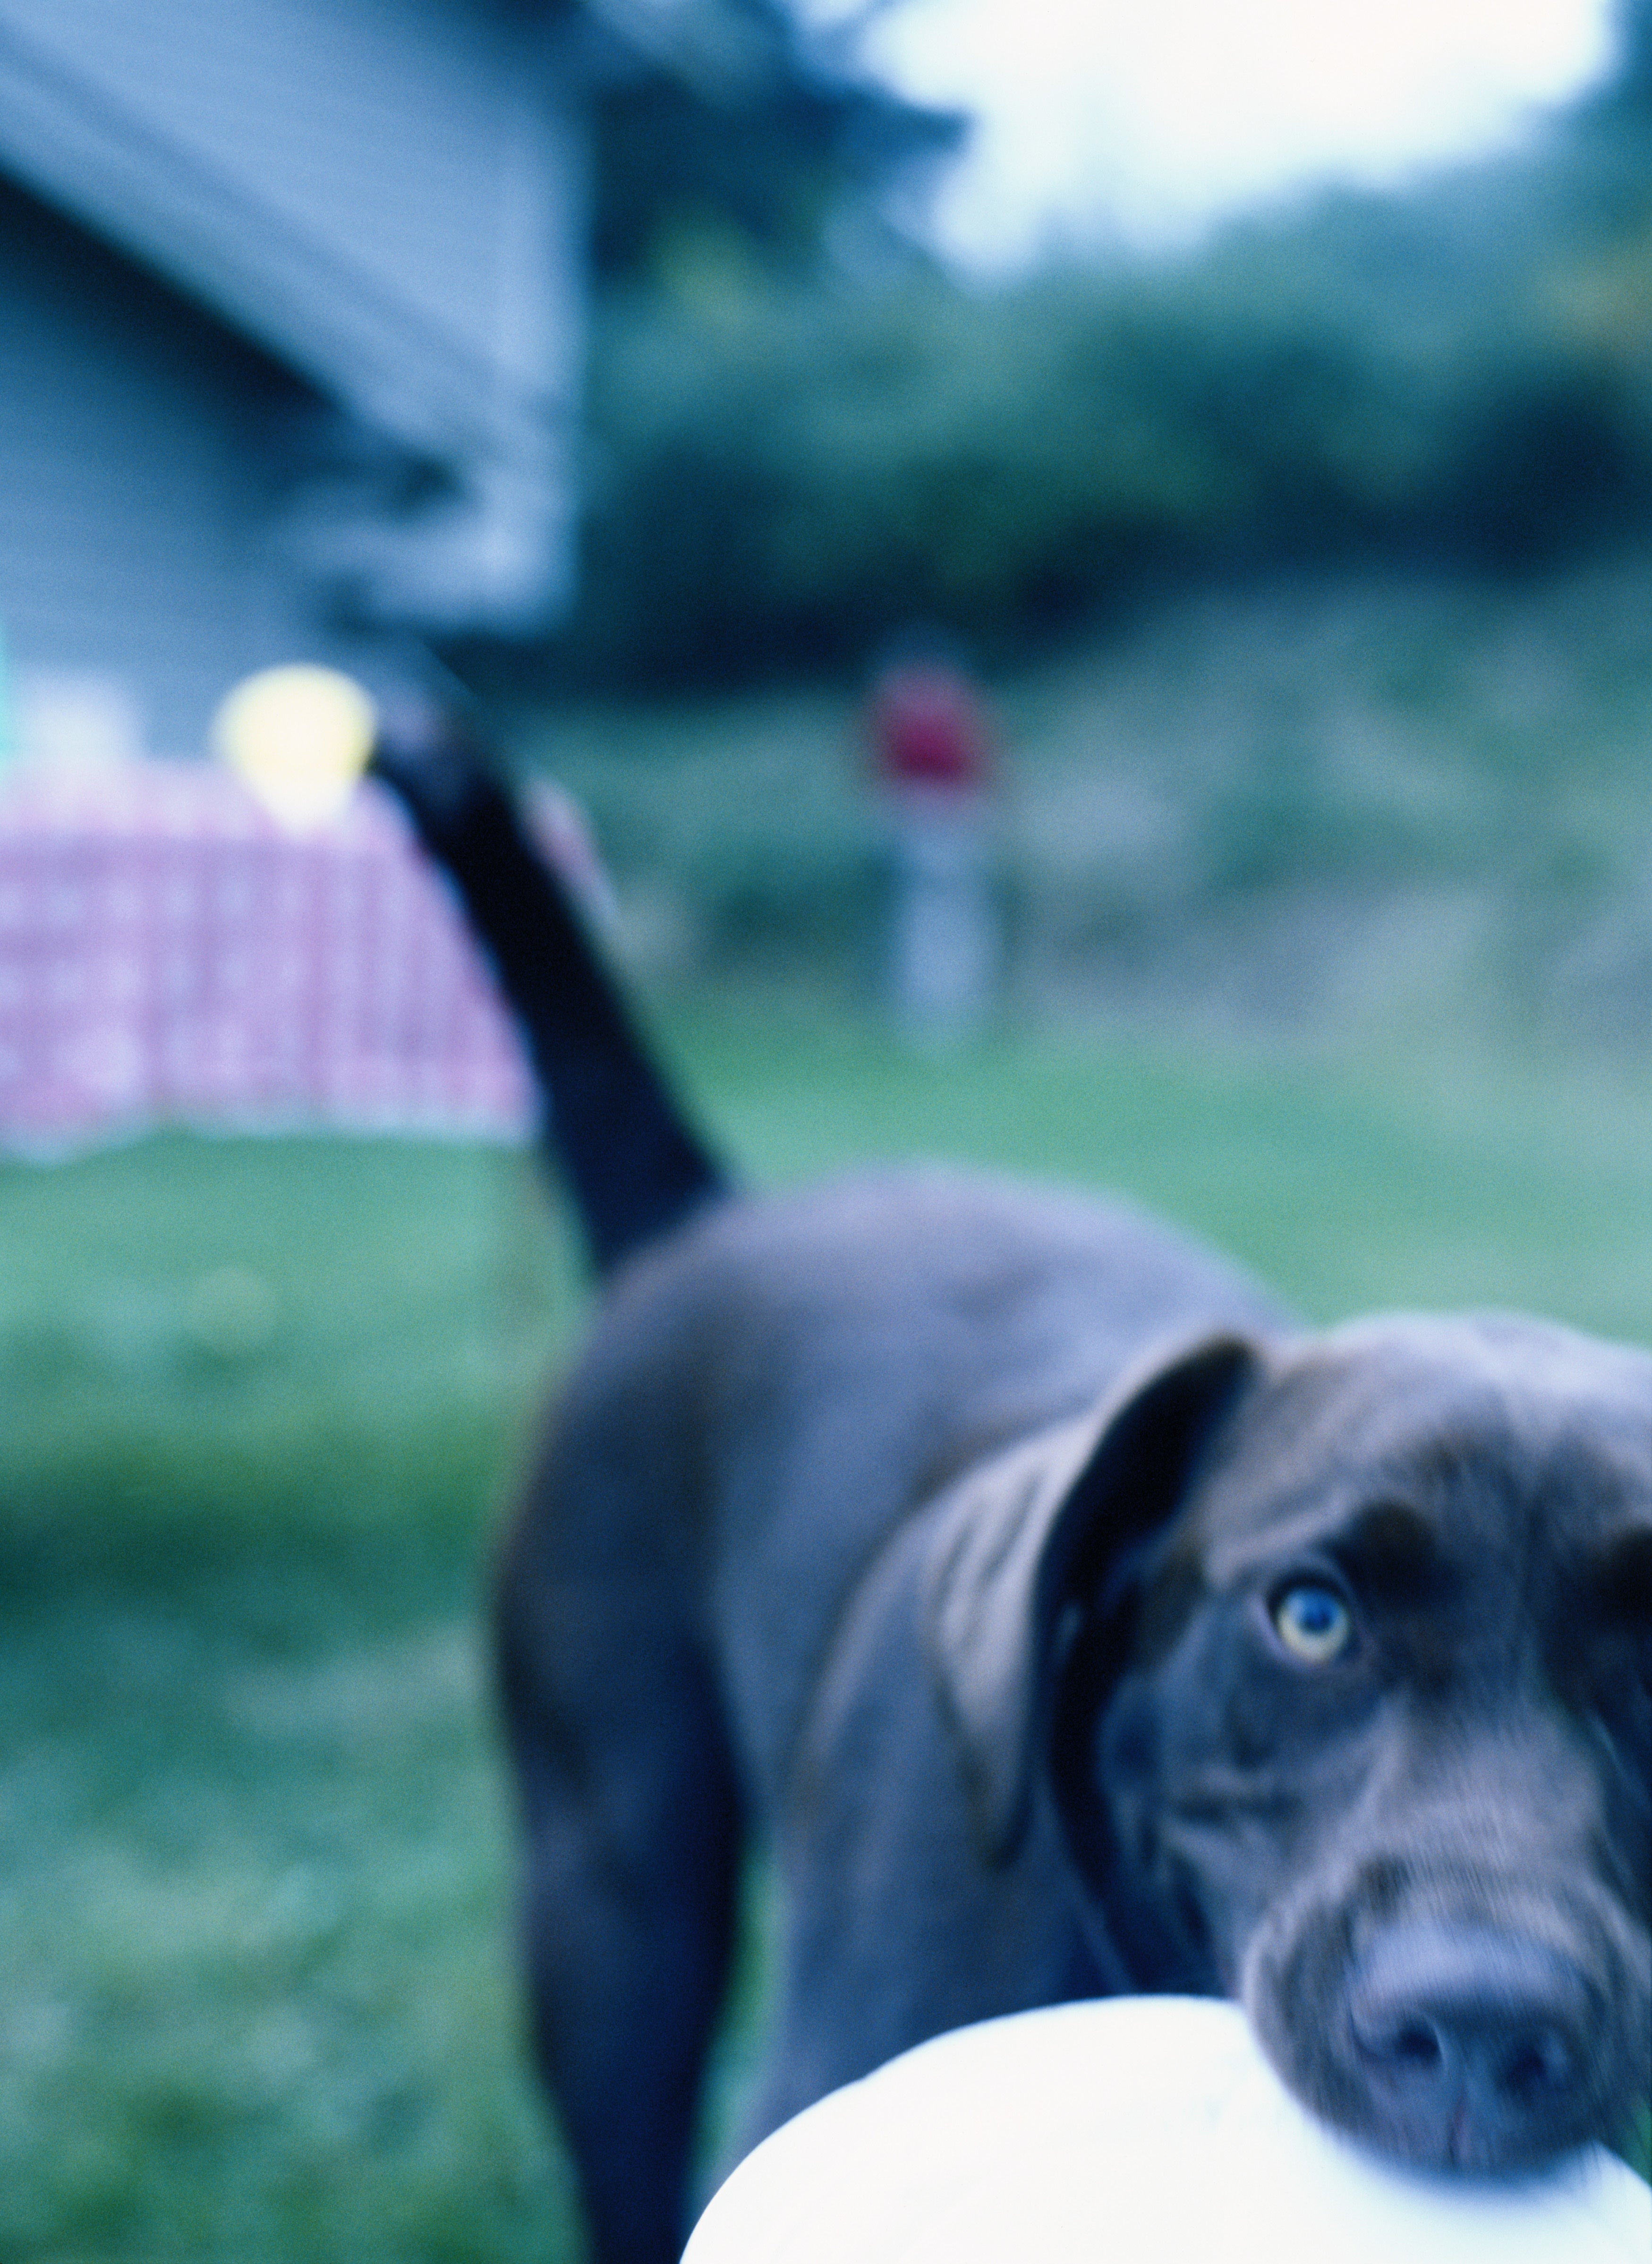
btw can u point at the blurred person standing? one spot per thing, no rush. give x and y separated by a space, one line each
931 745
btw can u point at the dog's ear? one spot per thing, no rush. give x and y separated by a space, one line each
1040 1525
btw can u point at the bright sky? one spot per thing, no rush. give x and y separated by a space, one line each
1137 121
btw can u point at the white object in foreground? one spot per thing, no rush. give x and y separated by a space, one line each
1135 2130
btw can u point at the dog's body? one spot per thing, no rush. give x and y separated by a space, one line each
1065 1621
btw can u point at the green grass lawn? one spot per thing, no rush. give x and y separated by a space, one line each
260 1400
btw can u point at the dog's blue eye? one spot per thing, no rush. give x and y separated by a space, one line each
1313 1622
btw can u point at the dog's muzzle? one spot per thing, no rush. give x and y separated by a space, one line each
1477 2043
1460 2037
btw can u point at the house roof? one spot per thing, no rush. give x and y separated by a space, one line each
384 195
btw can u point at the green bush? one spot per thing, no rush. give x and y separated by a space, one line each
1382 793
783 472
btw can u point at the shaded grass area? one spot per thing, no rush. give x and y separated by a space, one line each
260 1399
256 2000
1445 1178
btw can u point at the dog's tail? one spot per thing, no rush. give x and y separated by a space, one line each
633 1164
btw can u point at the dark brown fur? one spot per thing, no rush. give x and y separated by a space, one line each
798 1563
952 1540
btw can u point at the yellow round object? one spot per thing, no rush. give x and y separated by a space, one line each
300 737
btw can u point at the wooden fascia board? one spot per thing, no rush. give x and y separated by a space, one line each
300 299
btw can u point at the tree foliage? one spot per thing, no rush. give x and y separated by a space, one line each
764 142
789 461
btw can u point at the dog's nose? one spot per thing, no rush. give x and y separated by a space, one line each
1475 2041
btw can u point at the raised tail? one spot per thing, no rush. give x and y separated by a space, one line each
619 1140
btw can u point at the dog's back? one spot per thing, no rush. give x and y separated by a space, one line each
764 1398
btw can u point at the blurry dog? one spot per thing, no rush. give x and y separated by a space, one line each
1063 1620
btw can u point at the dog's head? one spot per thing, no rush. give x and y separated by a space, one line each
1337 1658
